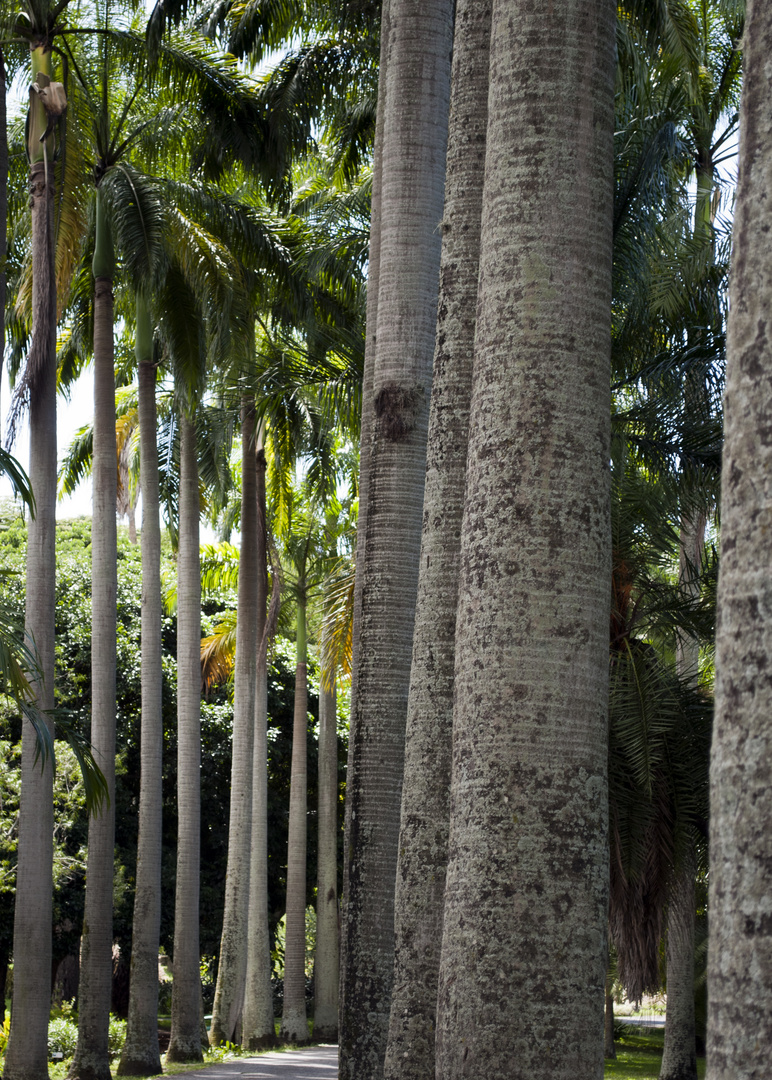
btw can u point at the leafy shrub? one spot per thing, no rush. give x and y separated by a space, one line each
62 1036
116 1036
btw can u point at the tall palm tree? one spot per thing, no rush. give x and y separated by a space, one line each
526 890
92 1059
140 1055
414 140
426 791
27 1050
739 1017
232 969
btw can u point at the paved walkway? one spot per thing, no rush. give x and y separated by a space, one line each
313 1063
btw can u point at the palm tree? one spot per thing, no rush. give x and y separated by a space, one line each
92 1059
231 975
425 815
739 1017
185 1042
140 1055
414 139
27 1050
526 888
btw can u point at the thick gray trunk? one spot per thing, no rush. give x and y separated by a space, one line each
232 967
679 1061
417 65
185 1041
92 1059
141 1056
740 947
423 844
258 1029
326 957
523 963
27 1052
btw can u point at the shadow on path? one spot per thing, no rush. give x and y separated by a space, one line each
312 1063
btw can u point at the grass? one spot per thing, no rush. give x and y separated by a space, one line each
640 1055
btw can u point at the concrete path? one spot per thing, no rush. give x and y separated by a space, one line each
313 1063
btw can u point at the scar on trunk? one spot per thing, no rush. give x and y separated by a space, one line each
395 408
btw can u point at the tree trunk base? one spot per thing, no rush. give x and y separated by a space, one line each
262 1042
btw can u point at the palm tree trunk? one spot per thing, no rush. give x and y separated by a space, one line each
258 1030
423 851
232 969
294 1028
526 897
141 1056
417 41
326 957
679 1060
92 1060
26 1055
185 1041
740 943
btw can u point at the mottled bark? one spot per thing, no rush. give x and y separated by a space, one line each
185 1041
92 1059
523 963
294 1028
423 843
740 947
140 1055
26 1056
232 967
258 1029
417 65
679 1061
326 956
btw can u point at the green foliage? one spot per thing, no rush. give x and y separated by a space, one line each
62 1036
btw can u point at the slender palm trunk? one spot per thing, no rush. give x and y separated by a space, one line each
679 1060
141 1056
27 1052
609 1049
232 969
92 1059
423 848
740 947
294 1028
185 1041
418 39
258 1029
523 962
326 956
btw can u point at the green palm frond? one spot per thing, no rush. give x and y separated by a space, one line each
218 652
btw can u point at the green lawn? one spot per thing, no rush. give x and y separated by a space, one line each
640 1056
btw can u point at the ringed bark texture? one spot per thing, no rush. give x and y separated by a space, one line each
232 969
294 1028
92 1058
523 964
185 1041
740 947
417 65
140 1055
326 956
423 842
27 1052
258 1028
